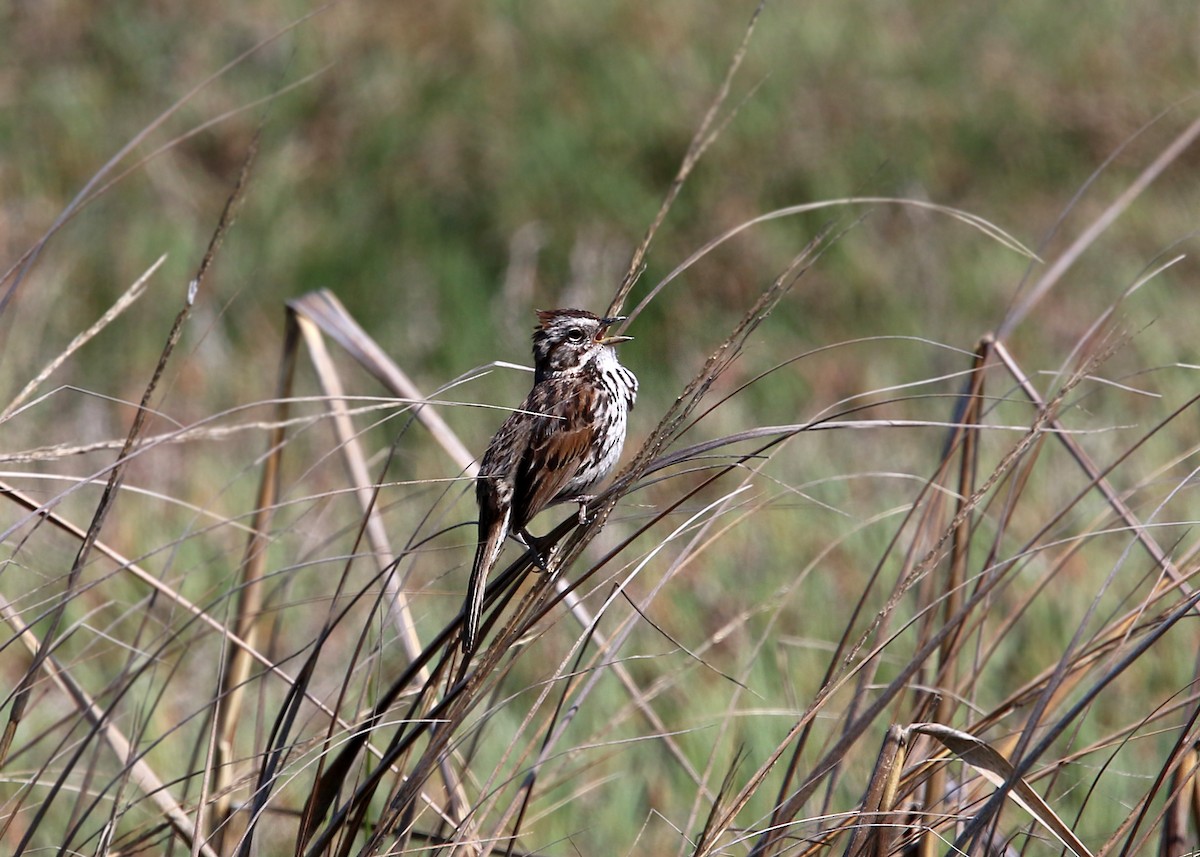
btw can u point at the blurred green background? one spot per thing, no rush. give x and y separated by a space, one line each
446 168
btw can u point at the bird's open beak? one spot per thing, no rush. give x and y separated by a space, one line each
606 323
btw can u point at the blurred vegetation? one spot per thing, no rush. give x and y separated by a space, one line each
402 173
445 168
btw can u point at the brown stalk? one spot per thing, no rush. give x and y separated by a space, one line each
946 662
874 830
324 310
236 671
116 477
1144 537
335 317
793 804
356 470
143 776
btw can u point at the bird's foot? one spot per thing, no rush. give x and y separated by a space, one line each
583 500
538 549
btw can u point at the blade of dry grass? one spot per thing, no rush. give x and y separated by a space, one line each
984 758
327 312
356 466
1088 237
988 228
965 443
123 303
873 834
141 773
246 623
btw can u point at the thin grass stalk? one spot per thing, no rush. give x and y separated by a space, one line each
946 662
727 786
1055 272
777 827
873 834
236 669
144 777
128 674
352 813
558 721
117 474
331 777
126 300
755 651
352 455
794 804
1093 472
987 814
838 657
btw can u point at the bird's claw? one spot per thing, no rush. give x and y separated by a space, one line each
584 515
540 557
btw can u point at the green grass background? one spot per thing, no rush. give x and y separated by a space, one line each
427 141
400 174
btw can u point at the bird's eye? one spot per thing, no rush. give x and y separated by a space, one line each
575 334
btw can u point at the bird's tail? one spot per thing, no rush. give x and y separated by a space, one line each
491 541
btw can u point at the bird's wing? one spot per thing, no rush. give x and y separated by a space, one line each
557 444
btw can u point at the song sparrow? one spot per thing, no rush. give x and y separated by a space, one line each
565 438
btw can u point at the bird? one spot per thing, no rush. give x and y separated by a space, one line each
564 439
